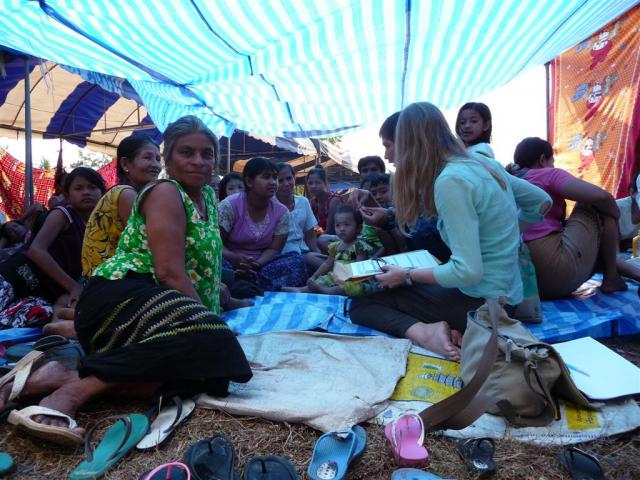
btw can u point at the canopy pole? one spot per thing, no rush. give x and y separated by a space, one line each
28 167
229 154
547 93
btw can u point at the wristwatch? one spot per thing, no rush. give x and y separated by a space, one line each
407 279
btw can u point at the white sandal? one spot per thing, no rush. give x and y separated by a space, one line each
60 435
20 373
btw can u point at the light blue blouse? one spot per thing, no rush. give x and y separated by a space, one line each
478 220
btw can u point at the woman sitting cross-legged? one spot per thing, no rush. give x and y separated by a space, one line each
478 206
148 319
567 252
254 227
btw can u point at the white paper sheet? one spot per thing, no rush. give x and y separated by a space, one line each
415 259
599 372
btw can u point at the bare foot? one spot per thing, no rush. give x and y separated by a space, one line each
43 381
315 287
64 400
295 289
436 337
235 303
615 284
65 328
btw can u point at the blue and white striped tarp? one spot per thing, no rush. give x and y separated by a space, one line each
278 311
598 316
299 68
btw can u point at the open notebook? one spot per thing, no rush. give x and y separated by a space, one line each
368 268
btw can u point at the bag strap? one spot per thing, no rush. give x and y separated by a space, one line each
465 406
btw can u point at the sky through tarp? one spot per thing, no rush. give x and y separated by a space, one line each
301 68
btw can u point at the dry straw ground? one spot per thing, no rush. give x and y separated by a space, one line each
619 455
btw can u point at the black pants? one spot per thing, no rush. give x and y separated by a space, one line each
394 311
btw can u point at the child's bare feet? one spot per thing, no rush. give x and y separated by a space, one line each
295 289
316 287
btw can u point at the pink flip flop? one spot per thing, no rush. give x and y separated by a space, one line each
406 435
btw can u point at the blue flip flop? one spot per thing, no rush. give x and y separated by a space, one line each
334 451
121 437
19 335
413 474
6 464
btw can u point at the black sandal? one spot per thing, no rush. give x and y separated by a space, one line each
269 467
212 459
477 454
581 465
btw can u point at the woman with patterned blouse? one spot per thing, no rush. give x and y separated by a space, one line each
148 318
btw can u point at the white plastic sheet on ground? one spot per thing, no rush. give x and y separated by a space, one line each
329 382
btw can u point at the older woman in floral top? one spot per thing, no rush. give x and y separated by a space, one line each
148 319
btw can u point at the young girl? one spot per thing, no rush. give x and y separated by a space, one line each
473 126
348 249
231 183
51 266
323 202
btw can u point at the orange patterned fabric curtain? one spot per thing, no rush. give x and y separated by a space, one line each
12 184
594 111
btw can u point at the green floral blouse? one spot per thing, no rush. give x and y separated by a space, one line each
203 248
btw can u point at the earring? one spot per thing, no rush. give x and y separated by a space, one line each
126 171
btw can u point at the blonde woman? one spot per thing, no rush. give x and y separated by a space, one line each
478 207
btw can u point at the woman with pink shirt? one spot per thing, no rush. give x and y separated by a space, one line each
254 227
567 251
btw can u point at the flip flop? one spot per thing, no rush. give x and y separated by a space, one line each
67 354
168 419
16 352
413 474
334 451
19 374
477 454
168 471
269 467
212 459
119 439
46 343
581 465
6 464
60 435
406 435
19 335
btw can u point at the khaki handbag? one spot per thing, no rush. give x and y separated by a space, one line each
506 371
